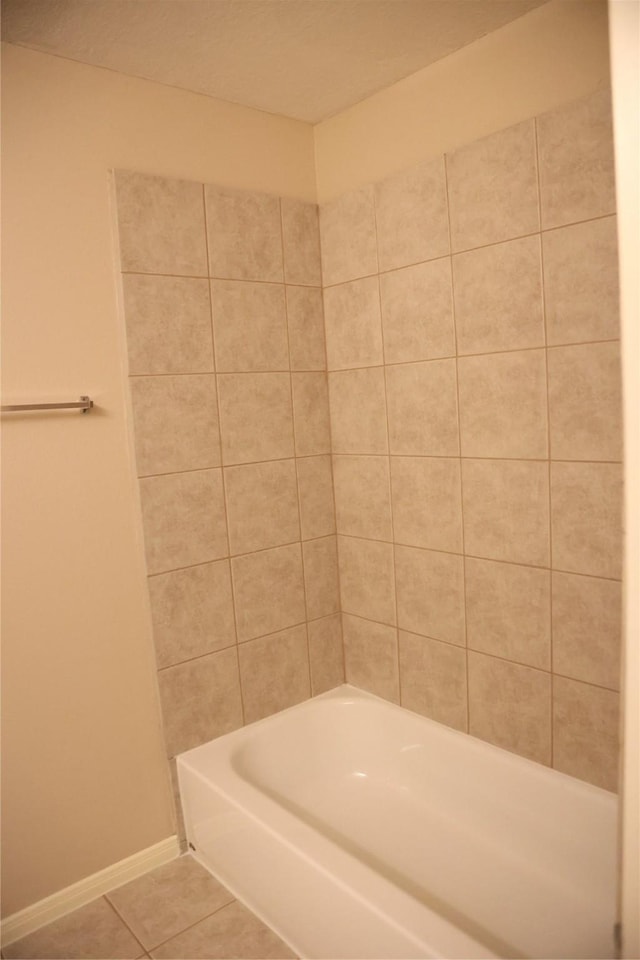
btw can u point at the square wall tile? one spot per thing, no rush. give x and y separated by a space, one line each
249 326
321 577
184 519
256 419
274 672
358 411
367 579
348 237
587 629
192 612
315 493
244 234
160 225
493 188
164 901
326 655
168 324
200 700
585 732
506 510
581 282
232 931
92 931
262 505
363 496
503 405
433 679
510 705
371 657
352 324
423 409
498 297
411 215
417 312
575 149
585 402
586 518
175 423
430 588
269 591
509 611
305 318
427 502
301 242
311 414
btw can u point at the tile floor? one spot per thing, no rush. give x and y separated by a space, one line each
176 912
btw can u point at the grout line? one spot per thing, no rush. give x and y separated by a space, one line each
190 926
549 498
224 488
105 896
213 279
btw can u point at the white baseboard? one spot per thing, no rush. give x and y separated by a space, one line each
25 921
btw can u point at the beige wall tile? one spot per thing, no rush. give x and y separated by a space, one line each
192 612
249 326
160 225
306 328
503 405
91 931
585 402
417 312
363 496
587 629
493 191
506 510
427 502
509 611
430 588
498 297
575 149
585 732
411 215
256 419
230 932
184 519
168 899
244 234
315 493
200 700
352 324
321 577
274 672
510 705
268 590
423 409
326 654
311 414
367 579
262 505
371 656
581 282
301 242
433 679
348 237
358 411
175 422
168 324
586 500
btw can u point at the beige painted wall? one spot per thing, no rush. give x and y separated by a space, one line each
84 775
556 53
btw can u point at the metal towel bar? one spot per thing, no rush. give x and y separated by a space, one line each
84 404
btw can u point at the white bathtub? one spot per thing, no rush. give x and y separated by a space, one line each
355 828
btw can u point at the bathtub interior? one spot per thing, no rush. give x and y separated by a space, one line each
519 857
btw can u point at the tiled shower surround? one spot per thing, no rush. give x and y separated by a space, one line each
474 445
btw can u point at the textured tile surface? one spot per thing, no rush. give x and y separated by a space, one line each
306 328
367 579
587 615
423 409
301 242
417 312
433 679
262 505
249 326
363 497
268 590
311 414
244 235
358 411
352 324
326 655
315 491
348 237
256 419
275 672
427 502
585 732
430 587
321 577
371 656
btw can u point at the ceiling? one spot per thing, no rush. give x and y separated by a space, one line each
305 59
